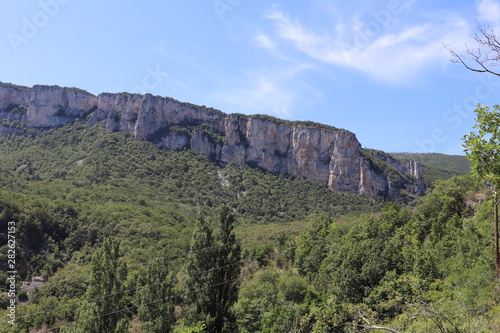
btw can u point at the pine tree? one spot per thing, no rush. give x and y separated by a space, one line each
154 294
104 310
212 269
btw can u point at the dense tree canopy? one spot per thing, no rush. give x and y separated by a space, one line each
310 260
483 150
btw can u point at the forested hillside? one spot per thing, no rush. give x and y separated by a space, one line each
437 166
129 237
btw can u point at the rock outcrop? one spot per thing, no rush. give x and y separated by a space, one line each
307 150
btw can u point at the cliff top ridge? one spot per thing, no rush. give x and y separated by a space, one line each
265 117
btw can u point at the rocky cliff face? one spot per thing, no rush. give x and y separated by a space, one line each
312 151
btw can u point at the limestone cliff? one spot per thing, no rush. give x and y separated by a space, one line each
307 150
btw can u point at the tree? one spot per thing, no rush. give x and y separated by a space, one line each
312 246
258 296
483 150
199 268
103 310
482 57
212 269
154 292
227 273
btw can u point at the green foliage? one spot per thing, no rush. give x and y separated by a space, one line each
312 246
257 296
80 164
200 265
437 166
483 147
212 274
20 109
331 316
16 124
103 310
197 328
355 270
407 269
292 288
448 199
16 86
205 128
69 188
227 272
483 150
155 297
315 260
261 197
383 168
262 253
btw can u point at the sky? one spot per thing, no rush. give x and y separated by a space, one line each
377 68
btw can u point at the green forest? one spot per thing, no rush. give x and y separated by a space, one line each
437 166
116 235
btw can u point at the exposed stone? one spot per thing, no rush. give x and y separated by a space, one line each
410 168
51 106
317 153
11 97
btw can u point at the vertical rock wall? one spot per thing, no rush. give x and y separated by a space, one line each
317 153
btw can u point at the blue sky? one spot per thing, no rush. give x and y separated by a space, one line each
376 68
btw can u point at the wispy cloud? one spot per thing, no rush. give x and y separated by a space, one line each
265 42
371 47
268 90
489 10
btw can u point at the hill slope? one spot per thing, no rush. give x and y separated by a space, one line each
109 184
437 166
67 188
316 152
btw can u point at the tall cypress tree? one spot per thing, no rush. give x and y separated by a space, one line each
212 269
154 294
199 270
103 312
229 268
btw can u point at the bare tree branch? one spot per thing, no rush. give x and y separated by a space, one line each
484 56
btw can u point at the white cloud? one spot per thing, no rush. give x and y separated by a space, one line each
271 91
489 10
262 93
394 56
265 42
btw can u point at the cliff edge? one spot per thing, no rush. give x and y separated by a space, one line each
307 150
